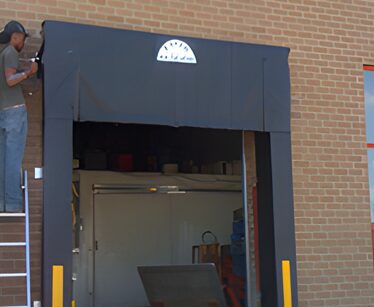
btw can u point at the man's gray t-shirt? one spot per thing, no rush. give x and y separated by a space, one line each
9 96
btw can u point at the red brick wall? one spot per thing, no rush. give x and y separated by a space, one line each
329 41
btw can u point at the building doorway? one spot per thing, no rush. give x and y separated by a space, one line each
178 184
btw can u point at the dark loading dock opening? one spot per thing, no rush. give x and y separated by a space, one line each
149 147
232 86
137 220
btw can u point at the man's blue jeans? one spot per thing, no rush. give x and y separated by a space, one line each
13 131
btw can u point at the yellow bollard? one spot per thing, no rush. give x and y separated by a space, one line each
57 286
287 292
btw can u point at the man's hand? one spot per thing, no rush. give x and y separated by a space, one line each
33 69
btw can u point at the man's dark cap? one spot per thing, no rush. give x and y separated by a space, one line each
10 28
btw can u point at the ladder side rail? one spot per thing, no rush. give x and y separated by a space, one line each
27 239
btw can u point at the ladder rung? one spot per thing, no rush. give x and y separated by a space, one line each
12 215
13 275
12 244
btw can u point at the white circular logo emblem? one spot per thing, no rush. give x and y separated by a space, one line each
177 51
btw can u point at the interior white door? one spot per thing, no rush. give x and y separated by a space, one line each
130 230
151 229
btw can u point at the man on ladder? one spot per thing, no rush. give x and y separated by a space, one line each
13 116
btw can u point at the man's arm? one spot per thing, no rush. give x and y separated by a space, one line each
13 77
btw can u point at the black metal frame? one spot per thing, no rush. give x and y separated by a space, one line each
273 151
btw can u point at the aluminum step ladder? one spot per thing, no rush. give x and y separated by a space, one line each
25 244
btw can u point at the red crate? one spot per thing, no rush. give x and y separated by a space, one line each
122 162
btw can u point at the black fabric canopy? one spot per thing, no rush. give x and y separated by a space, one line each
115 76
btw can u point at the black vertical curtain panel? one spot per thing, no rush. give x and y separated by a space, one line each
114 75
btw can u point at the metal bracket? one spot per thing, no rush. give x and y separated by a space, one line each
38 173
